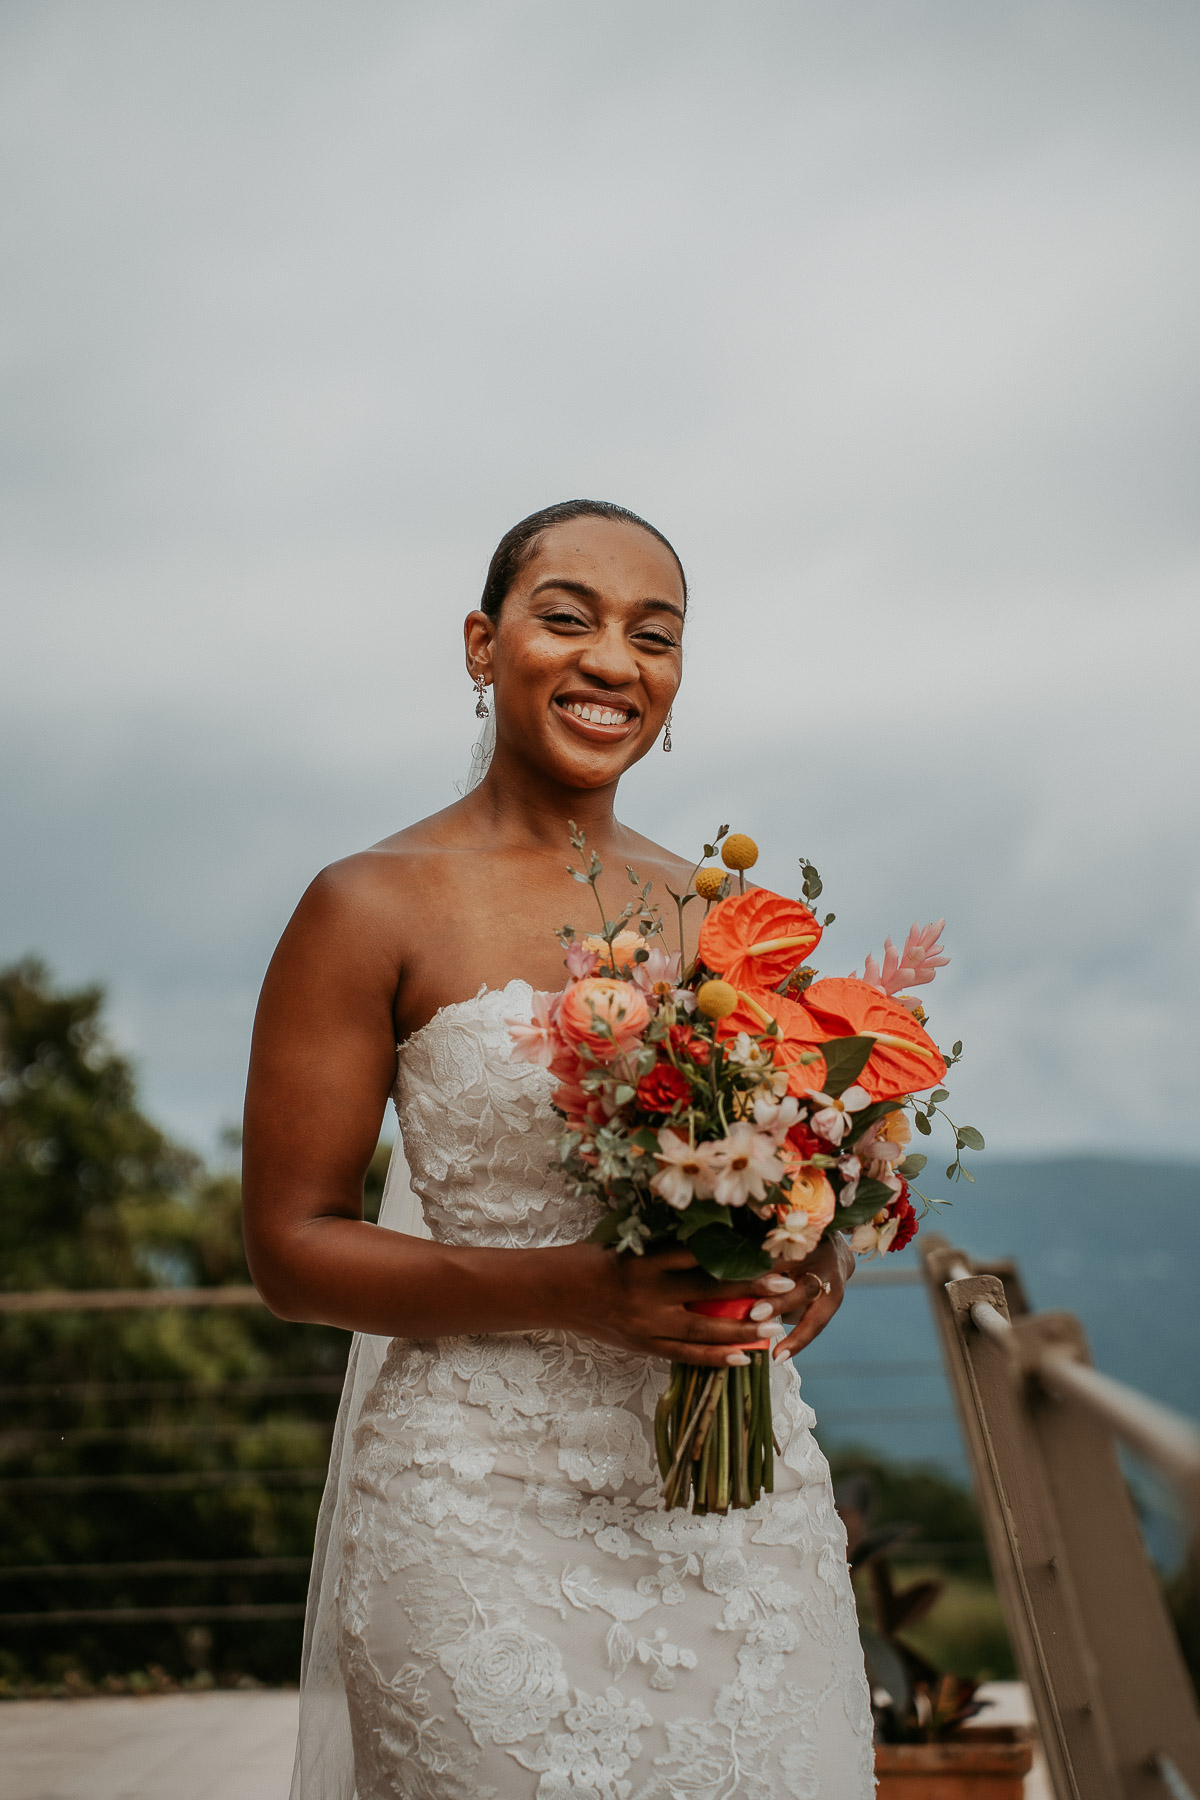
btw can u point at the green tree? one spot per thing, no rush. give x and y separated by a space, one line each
94 1195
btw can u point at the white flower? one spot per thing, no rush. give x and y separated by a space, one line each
509 1682
687 1172
833 1119
776 1116
746 1163
796 1236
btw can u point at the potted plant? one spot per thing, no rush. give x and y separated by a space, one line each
927 1746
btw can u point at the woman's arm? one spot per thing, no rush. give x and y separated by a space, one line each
322 1065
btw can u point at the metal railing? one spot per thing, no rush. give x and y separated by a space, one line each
1115 1707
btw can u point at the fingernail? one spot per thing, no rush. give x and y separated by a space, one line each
763 1310
737 1361
778 1353
777 1284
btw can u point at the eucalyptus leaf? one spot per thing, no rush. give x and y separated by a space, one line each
727 1255
969 1138
912 1165
624 1093
922 1124
939 1094
957 1050
950 1168
607 1230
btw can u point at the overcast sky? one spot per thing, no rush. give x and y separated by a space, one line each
885 313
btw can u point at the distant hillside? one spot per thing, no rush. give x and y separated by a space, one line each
1113 1240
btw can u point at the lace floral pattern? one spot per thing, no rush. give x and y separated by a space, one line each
518 1615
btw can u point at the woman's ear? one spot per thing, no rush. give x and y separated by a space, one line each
478 635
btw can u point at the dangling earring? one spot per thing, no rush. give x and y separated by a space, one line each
481 706
667 732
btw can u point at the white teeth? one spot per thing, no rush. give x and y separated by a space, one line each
597 715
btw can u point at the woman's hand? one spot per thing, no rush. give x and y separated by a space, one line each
820 1285
640 1303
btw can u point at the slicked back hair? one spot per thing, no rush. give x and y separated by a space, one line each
521 543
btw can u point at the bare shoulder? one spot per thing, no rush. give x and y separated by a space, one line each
649 859
370 893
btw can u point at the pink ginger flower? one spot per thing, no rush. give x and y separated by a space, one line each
535 1040
917 963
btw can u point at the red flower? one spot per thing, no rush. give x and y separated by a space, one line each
754 940
684 1042
806 1143
902 1208
663 1089
904 1059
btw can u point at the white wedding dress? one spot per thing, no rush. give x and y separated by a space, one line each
500 1605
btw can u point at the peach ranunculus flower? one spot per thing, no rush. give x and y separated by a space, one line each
623 947
603 1017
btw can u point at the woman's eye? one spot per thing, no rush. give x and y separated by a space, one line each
660 638
564 618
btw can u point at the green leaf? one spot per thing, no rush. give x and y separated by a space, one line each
969 1138
727 1255
645 1139
845 1060
950 1168
699 1215
829 917
966 1173
863 1121
957 1050
922 1124
939 1094
872 1195
912 1165
577 875
624 1093
640 956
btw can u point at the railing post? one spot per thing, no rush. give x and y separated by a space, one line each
1027 1553
1148 1699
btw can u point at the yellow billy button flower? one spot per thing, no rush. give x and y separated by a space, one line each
739 852
708 884
716 999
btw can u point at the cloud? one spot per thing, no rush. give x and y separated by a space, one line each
884 313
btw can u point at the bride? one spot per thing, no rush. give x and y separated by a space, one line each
499 1604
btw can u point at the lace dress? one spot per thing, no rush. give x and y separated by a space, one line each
517 1615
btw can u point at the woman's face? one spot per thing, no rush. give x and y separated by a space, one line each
586 656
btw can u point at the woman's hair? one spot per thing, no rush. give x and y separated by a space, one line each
517 546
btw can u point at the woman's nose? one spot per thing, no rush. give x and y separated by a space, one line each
608 657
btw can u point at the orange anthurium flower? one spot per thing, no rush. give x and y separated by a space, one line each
904 1059
755 940
799 1033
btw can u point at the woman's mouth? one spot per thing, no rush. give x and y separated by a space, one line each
599 720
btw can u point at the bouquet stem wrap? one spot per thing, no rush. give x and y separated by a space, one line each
712 1427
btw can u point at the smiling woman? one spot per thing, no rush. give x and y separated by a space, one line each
464 1636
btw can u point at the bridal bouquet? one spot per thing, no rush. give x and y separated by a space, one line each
742 1108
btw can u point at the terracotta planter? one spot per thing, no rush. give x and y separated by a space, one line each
977 1765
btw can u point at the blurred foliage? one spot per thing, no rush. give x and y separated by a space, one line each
93 1195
